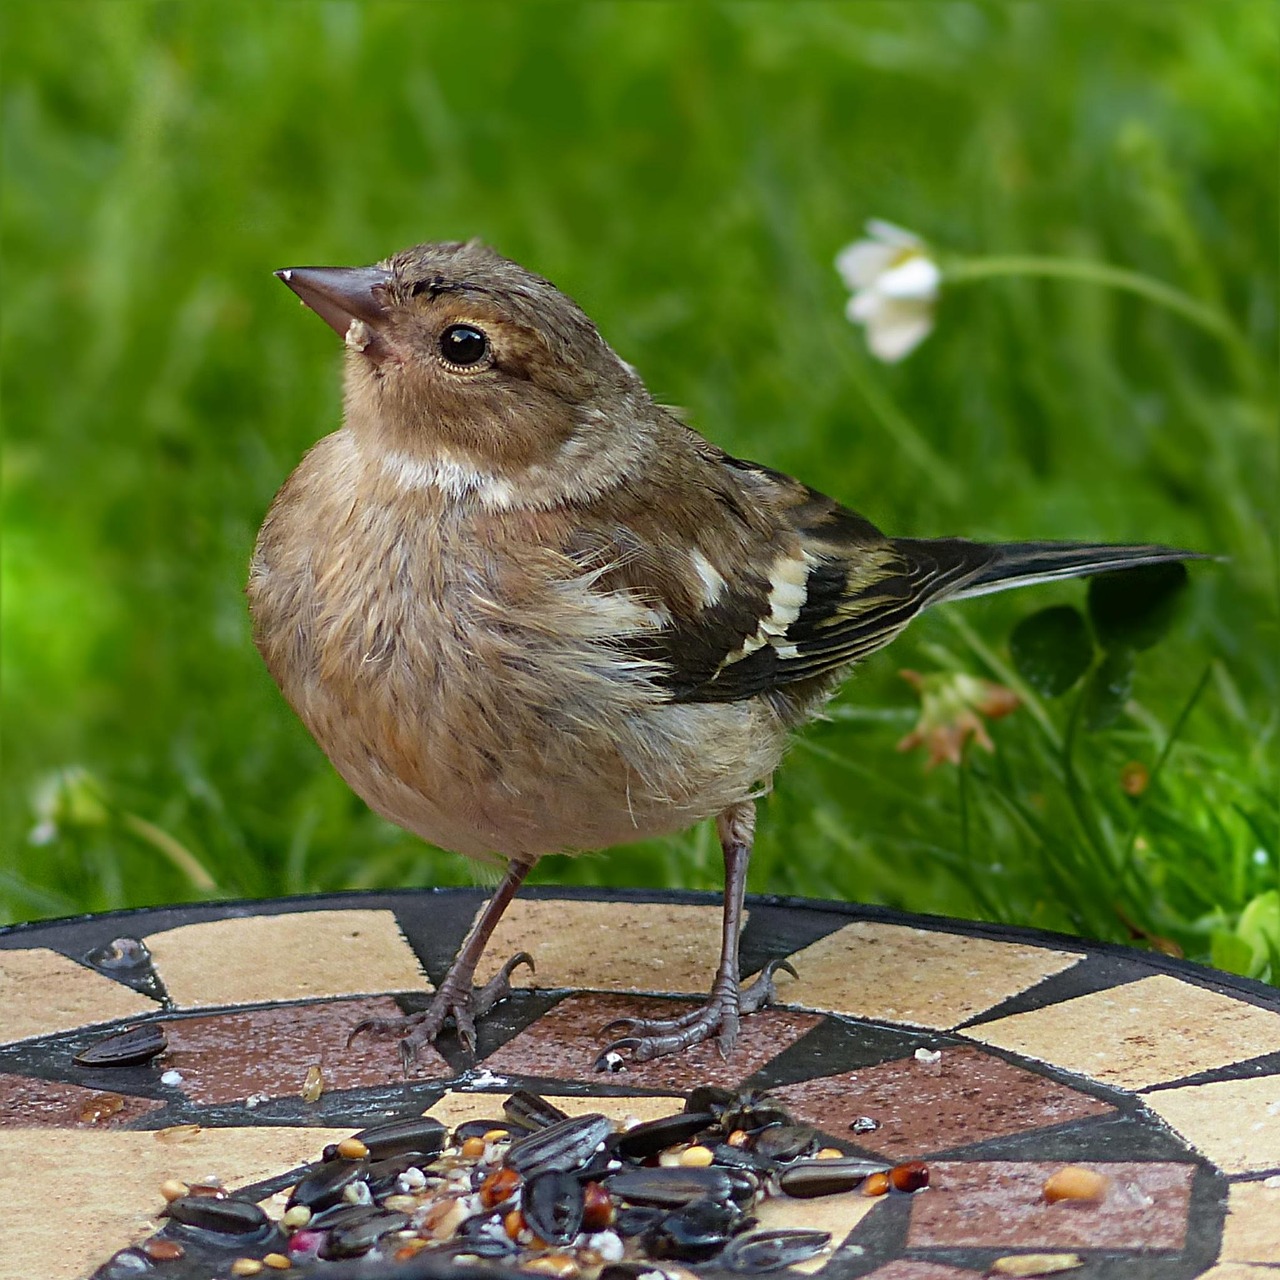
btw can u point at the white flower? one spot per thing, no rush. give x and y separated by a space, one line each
895 288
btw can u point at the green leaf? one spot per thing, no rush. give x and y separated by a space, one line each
1259 928
1052 649
1231 952
1107 689
1133 608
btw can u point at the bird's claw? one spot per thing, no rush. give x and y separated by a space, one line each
453 1002
651 1038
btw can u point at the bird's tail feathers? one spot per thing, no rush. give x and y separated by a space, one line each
963 569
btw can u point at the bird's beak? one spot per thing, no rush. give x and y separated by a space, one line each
351 300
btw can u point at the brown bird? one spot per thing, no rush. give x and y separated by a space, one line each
525 609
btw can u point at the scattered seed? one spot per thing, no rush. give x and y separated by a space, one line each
295 1216
696 1157
496 1135
1036 1264
473 1148
277 1262
178 1133
560 1265
500 1185
1074 1182
912 1176
739 1137
163 1250
102 1106
312 1085
828 1153
352 1149
876 1184
246 1267
171 1189
928 1056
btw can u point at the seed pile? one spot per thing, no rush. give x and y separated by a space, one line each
536 1192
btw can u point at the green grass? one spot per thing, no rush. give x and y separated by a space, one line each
688 172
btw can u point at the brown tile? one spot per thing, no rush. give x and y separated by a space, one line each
41 991
922 977
904 1269
27 1101
565 1042
1236 1123
609 946
228 1057
838 1215
967 1096
1251 1232
1140 1034
102 1187
998 1205
304 955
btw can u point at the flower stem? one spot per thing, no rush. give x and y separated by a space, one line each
1205 317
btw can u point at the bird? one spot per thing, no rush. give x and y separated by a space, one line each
524 608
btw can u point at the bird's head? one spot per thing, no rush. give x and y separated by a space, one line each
470 374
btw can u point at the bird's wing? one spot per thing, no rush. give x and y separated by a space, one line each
775 584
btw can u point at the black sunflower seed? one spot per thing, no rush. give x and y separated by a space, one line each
422 1134
325 1186
358 1238
552 1204
532 1112
786 1142
225 1217
125 1048
648 1139
773 1250
809 1178
669 1188
696 1232
561 1147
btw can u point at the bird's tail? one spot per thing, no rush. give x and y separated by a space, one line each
957 569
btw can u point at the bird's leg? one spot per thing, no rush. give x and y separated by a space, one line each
456 998
650 1038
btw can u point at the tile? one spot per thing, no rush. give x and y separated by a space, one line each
228 1057
1236 1123
41 991
838 1215
926 978
26 1101
1239 1271
910 1269
997 1204
1140 1034
967 1096
457 1107
608 946
1251 1232
302 955
101 1188
565 1042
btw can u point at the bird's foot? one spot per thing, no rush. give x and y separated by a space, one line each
649 1038
456 1001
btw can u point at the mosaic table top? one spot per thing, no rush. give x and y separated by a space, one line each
995 1055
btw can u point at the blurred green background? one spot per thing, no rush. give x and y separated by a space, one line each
688 173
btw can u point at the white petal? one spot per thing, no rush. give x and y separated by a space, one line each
863 306
917 277
891 234
898 327
862 261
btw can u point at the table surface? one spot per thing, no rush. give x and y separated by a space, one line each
1050 1050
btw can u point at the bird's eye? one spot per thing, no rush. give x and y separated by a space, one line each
463 345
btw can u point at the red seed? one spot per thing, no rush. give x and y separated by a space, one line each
597 1207
910 1176
163 1250
498 1186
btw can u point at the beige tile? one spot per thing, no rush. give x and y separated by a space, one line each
1140 1034
457 1107
102 1189
893 973
1239 1271
41 991
836 1214
1236 1123
609 946
1251 1232
300 956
